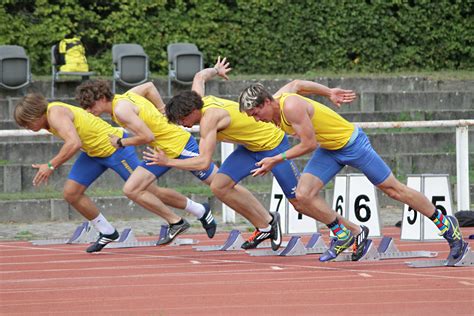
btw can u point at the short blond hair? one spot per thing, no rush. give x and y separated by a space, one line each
30 108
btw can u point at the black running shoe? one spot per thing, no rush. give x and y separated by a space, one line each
208 221
173 231
358 248
453 235
256 238
102 241
276 231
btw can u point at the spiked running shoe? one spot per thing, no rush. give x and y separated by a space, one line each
276 231
256 238
102 241
208 221
358 248
458 247
337 246
173 231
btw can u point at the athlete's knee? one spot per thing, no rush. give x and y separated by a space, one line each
396 191
297 205
71 196
221 185
130 191
303 196
218 189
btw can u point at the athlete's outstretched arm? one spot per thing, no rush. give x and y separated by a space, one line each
149 91
61 119
126 113
211 121
221 68
305 87
296 112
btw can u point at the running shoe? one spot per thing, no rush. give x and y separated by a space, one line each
276 231
173 231
256 238
337 246
102 241
358 248
208 221
458 247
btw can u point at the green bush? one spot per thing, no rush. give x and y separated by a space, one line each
258 36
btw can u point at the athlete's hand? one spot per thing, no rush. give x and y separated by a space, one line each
113 140
155 156
266 165
339 96
42 175
222 67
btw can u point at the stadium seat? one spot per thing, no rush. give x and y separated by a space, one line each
184 61
130 65
14 67
55 74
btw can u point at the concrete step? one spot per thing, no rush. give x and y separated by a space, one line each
18 178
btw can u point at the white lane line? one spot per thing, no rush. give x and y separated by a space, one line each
365 275
195 262
276 268
466 283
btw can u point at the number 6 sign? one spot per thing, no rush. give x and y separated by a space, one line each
355 198
436 188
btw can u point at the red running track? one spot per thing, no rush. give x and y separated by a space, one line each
64 280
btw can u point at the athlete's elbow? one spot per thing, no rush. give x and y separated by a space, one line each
204 164
149 138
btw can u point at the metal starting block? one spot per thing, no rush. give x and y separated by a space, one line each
128 240
386 250
294 247
83 234
466 261
233 243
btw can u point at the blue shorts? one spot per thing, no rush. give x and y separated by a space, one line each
87 169
241 161
190 150
325 164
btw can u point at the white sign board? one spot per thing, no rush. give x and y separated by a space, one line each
436 188
355 198
292 222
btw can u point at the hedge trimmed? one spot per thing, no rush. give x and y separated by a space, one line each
258 36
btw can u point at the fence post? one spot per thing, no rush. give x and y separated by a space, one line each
462 167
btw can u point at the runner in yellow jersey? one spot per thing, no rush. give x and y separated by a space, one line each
139 115
83 131
336 143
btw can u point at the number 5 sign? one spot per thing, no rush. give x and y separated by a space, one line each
355 198
436 188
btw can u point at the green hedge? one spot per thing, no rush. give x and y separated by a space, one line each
258 36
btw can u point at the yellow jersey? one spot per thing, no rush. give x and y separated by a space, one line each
331 130
244 129
92 130
168 137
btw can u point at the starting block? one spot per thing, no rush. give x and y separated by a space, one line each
466 261
294 247
128 240
386 250
233 242
83 234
